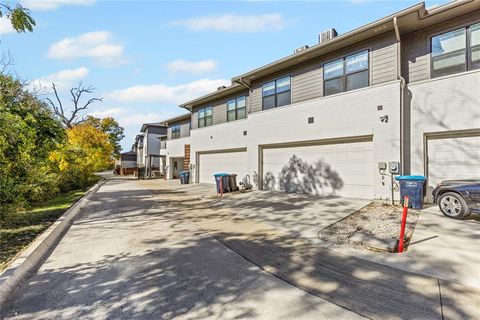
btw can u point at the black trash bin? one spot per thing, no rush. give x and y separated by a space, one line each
232 182
184 177
141 173
224 177
414 188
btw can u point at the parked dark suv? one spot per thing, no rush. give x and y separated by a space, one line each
458 198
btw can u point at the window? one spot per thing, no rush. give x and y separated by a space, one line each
276 93
176 132
205 117
237 109
456 51
348 73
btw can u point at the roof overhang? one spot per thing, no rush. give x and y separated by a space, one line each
146 125
185 116
410 19
220 93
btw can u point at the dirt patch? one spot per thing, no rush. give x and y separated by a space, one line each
380 220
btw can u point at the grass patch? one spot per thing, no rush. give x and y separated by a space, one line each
18 230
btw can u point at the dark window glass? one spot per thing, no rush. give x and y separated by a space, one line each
283 98
333 86
205 116
449 53
176 132
276 93
236 109
348 73
357 80
475 46
269 102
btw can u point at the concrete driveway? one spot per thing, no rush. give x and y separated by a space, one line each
133 255
300 215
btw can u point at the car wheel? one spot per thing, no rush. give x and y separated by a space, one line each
453 205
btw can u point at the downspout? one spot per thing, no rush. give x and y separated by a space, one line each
242 82
402 95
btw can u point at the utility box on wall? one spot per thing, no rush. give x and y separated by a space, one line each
394 167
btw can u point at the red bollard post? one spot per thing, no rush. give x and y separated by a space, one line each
402 228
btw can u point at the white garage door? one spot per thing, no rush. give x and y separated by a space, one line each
453 158
229 162
344 169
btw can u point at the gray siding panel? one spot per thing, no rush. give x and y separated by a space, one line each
184 128
219 109
307 78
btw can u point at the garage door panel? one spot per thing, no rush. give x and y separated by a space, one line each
453 158
340 169
230 162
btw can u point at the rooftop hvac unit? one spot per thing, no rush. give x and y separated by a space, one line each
302 48
327 35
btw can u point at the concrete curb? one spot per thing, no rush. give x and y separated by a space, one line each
37 252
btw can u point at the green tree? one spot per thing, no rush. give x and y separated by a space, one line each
19 17
112 129
28 133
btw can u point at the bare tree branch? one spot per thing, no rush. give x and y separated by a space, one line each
76 96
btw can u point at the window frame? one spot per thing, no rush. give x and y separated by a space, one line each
235 111
176 131
345 74
468 49
205 117
275 93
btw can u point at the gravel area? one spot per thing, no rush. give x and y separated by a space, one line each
380 220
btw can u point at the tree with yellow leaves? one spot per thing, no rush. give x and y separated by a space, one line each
86 151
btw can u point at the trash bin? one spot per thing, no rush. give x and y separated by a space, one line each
184 177
141 173
414 188
224 177
232 182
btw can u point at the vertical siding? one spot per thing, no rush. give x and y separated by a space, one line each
416 47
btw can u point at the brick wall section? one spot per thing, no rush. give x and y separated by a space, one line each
186 161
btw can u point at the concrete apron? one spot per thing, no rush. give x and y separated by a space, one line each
369 289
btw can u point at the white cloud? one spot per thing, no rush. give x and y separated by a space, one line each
63 80
109 112
97 45
234 23
5 26
53 4
192 66
161 93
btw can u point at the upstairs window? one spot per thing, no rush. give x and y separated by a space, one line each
348 73
237 109
176 132
205 117
456 51
276 93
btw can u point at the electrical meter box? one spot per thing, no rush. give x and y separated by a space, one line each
382 166
394 167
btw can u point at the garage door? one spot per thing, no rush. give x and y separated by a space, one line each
453 158
230 162
344 169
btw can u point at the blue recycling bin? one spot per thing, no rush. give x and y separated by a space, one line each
224 177
414 188
184 177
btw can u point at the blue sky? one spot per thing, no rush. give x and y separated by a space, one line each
146 57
